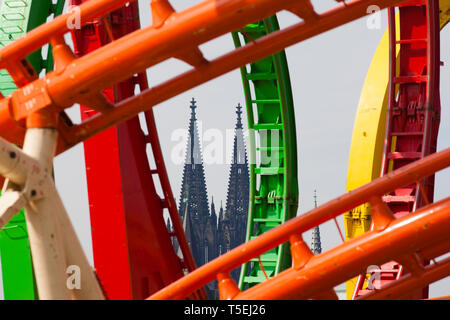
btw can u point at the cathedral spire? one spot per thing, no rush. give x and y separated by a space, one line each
239 118
239 178
193 105
316 245
233 224
193 202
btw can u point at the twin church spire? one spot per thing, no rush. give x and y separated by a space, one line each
208 232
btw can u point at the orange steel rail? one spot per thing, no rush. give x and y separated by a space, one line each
174 34
440 298
409 240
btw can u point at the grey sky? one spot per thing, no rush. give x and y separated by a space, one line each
327 75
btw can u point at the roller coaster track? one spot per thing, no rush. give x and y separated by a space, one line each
273 185
413 117
97 76
18 18
135 213
412 238
370 122
40 103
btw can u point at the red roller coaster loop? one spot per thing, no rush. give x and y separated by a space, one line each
96 78
128 228
409 239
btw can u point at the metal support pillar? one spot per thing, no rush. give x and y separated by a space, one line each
53 242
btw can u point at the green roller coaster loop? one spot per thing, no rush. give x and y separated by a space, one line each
273 151
17 17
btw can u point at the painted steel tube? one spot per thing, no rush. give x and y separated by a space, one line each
45 233
13 162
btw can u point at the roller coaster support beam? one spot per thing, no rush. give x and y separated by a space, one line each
17 18
55 246
317 275
84 78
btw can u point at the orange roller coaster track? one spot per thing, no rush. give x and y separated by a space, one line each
410 239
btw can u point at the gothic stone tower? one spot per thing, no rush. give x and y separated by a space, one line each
233 224
193 205
316 244
199 225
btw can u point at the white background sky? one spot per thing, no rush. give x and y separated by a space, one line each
327 75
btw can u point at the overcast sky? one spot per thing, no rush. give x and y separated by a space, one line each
327 75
